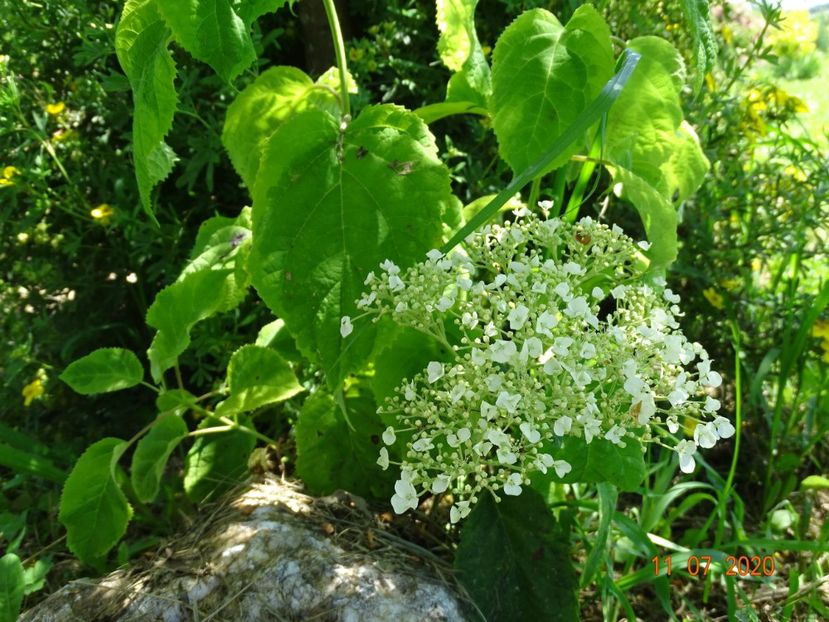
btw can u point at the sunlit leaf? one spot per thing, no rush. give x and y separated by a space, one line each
330 204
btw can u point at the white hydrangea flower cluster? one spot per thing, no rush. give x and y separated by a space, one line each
537 360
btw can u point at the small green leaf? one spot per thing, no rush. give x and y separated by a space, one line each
11 587
656 160
543 76
602 461
152 452
34 577
814 482
104 370
141 45
217 32
261 108
92 507
697 16
179 307
329 206
257 376
175 400
331 79
216 462
514 559
335 452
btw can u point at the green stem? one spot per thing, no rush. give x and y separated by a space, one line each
559 182
577 196
247 430
534 190
339 49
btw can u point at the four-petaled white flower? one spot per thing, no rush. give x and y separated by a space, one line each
513 485
405 494
503 351
383 460
562 467
705 435
724 427
562 425
686 450
434 371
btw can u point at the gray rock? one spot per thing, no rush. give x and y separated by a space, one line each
273 553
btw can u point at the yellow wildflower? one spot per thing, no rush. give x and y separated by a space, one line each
8 174
726 34
731 284
820 329
102 212
56 108
32 391
714 297
756 264
710 82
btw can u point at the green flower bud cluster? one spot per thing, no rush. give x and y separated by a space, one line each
560 336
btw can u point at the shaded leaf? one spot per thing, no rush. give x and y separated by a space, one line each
152 452
216 462
104 370
514 560
92 507
338 453
11 587
329 206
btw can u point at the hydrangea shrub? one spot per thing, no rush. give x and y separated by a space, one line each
562 334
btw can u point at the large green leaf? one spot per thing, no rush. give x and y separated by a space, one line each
104 370
261 108
514 560
152 452
543 75
12 584
92 507
329 205
655 157
217 31
461 52
257 376
337 450
218 461
141 44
